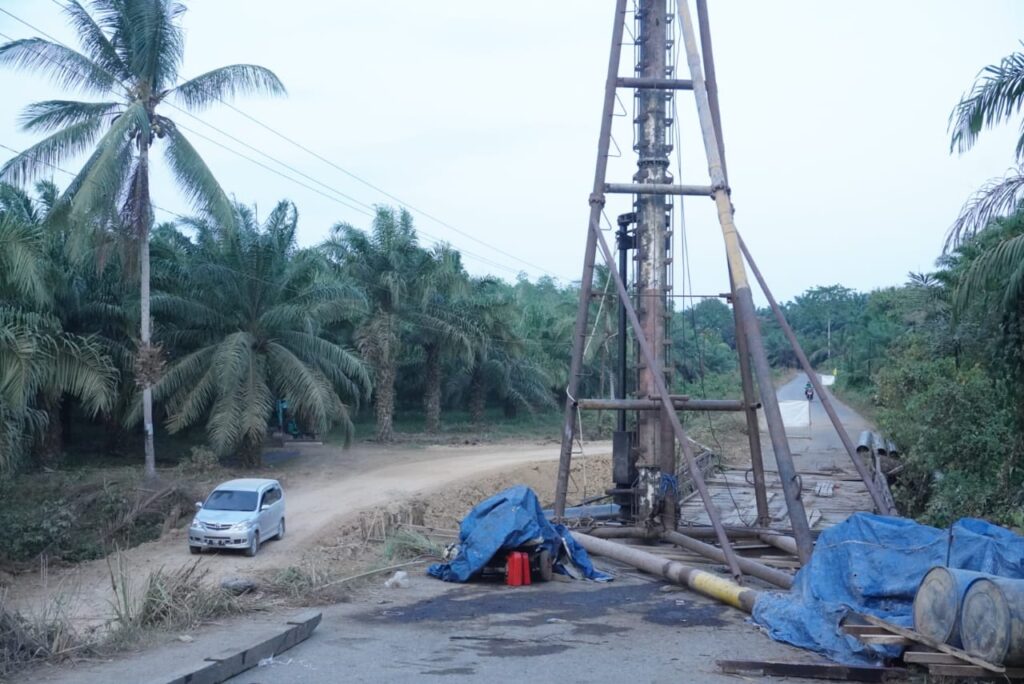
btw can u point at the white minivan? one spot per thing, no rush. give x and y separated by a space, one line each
238 514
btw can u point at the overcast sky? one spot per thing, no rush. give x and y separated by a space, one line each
485 115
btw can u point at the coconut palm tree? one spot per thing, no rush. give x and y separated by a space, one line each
248 313
996 98
131 56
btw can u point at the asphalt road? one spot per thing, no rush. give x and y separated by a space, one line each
630 630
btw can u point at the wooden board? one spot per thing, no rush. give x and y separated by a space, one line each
833 671
933 643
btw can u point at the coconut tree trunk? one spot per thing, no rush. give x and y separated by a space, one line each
477 395
432 390
141 221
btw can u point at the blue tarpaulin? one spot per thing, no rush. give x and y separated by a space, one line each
873 564
506 521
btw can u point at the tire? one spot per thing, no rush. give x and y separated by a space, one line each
254 545
195 550
280 529
545 565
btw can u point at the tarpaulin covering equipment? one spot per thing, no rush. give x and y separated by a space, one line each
506 521
873 564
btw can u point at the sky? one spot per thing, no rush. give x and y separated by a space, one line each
485 116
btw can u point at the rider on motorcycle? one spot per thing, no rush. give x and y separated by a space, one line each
809 391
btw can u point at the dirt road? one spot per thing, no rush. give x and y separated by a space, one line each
323 486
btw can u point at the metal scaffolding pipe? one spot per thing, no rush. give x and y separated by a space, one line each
702 582
656 189
826 402
780 541
655 83
655 405
586 284
661 389
747 565
743 300
622 533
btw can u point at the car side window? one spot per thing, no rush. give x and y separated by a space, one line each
272 495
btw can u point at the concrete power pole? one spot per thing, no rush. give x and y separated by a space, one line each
655 443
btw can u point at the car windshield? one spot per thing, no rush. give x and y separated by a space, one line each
231 500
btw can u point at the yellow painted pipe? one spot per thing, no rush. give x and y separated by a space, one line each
702 582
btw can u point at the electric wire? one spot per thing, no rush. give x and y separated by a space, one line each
291 141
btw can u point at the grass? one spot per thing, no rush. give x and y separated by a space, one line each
458 427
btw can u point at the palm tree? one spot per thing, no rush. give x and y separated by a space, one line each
996 98
248 313
439 326
132 53
506 361
387 265
39 360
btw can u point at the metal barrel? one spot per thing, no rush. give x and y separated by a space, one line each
992 620
938 600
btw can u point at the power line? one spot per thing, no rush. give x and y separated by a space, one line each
352 175
436 240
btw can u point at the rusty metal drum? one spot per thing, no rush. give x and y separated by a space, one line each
992 620
938 600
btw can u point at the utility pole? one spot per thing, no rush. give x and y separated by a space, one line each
655 441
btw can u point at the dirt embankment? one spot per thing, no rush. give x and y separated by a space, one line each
333 501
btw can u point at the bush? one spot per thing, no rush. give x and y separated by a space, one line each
962 446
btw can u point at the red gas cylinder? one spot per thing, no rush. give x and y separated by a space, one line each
524 560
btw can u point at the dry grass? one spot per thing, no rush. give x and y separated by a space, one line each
168 599
47 636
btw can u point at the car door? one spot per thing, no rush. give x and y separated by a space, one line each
267 522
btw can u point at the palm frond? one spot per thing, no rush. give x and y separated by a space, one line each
226 83
998 197
68 68
995 277
195 178
96 43
39 159
50 115
997 95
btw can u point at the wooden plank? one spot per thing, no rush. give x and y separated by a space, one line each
833 671
931 658
857 630
885 640
972 671
933 643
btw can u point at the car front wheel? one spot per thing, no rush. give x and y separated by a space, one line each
195 550
254 545
280 530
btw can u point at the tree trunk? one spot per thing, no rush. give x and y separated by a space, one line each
384 394
141 220
51 442
432 389
477 395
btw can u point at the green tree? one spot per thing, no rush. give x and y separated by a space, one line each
387 265
439 326
996 97
248 313
132 52
39 360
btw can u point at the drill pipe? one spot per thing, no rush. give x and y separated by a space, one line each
702 582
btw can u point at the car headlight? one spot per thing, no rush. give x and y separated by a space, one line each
196 525
242 526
